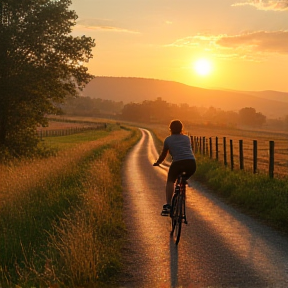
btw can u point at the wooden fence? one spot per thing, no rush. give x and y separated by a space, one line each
69 131
254 155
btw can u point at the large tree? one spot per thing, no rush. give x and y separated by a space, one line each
248 116
41 64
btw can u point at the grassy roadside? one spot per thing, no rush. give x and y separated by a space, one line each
258 195
61 218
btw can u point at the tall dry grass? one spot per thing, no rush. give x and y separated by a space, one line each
57 216
87 240
24 175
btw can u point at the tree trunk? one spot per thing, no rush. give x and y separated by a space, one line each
3 130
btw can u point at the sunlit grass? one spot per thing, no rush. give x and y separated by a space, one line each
26 174
88 241
65 142
258 195
60 218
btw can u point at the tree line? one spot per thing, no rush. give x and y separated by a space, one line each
86 106
160 111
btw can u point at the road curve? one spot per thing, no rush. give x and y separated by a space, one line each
219 247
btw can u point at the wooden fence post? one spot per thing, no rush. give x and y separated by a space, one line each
271 159
216 143
241 156
255 156
200 146
231 154
204 145
210 146
224 151
192 143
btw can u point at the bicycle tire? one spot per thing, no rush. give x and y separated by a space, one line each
177 221
173 213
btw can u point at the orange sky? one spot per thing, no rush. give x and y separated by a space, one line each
245 41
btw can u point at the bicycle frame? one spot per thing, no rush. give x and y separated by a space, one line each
178 210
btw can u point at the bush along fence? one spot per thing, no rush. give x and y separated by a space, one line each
70 130
251 155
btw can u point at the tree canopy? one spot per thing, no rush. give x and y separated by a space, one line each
86 106
41 65
159 111
248 116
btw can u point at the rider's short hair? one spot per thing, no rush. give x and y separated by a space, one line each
176 127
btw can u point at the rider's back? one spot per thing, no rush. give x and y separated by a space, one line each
179 147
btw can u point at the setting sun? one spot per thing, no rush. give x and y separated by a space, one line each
202 67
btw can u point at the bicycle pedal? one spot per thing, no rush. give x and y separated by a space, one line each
184 220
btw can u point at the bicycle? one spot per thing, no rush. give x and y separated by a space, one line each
178 208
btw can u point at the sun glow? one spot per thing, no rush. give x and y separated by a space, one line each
202 67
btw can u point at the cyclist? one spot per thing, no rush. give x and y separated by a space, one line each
183 159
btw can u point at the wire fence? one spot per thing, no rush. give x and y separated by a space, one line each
70 130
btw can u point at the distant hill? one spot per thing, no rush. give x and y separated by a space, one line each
273 104
272 95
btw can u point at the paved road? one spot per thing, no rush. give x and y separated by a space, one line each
219 247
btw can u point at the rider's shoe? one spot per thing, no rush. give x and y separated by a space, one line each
166 210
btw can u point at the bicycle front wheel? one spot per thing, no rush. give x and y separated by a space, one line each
177 219
173 213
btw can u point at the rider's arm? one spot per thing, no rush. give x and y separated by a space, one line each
162 156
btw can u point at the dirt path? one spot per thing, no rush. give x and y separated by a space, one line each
219 247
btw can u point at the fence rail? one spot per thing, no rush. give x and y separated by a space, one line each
256 156
69 131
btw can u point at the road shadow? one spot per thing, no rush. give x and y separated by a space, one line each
173 262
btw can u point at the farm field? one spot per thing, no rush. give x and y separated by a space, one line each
263 138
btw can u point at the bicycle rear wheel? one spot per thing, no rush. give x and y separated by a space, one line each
176 219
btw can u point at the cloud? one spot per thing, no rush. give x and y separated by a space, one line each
249 46
275 5
259 41
195 41
101 24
